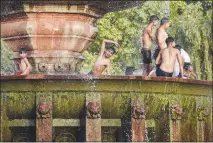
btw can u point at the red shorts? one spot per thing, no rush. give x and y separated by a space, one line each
17 73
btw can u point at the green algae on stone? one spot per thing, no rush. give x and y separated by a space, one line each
68 104
19 104
114 105
6 130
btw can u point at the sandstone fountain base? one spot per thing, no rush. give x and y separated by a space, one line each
109 108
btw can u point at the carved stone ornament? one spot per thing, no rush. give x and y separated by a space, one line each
60 67
93 110
138 110
202 113
42 67
43 110
176 112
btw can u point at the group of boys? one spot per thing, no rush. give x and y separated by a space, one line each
170 59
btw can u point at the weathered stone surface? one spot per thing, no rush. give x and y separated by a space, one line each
44 117
93 110
93 118
176 112
43 110
138 110
71 94
138 121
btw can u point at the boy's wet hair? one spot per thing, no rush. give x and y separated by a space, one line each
169 40
164 21
153 18
178 47
22 50
112 49
187 66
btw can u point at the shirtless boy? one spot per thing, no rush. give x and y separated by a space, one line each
148 37
161 36
24 65
168 57
103 60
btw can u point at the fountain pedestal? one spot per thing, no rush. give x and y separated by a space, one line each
54 35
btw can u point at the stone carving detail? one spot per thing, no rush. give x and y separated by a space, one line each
42 67
93 110
138 110
22 137
176 112
78 66
65 137
60 67
43 110
202 113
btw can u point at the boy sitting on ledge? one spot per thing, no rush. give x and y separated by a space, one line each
103 60
24 66
188 72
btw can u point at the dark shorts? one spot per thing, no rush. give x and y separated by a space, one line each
147 56
158 65
160 72
155 55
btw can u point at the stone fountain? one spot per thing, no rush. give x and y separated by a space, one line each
70 108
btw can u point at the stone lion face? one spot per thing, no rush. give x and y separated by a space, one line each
139 110
43 108
94 107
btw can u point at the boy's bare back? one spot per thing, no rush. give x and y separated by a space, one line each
169 56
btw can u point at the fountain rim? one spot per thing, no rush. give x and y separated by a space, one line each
103 77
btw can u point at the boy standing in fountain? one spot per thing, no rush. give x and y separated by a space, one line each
168 56
161 36
148 37
103 60
24 65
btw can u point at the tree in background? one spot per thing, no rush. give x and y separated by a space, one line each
7 65
191 26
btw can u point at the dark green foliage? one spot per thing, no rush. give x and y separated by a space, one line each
7 65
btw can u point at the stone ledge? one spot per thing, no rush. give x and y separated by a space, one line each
103 77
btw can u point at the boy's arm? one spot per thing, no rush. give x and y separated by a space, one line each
158 58
17 63
108 69
151 34
103 45
180 63
28 67
109 41
160 39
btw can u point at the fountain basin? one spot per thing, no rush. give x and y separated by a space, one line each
69 95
